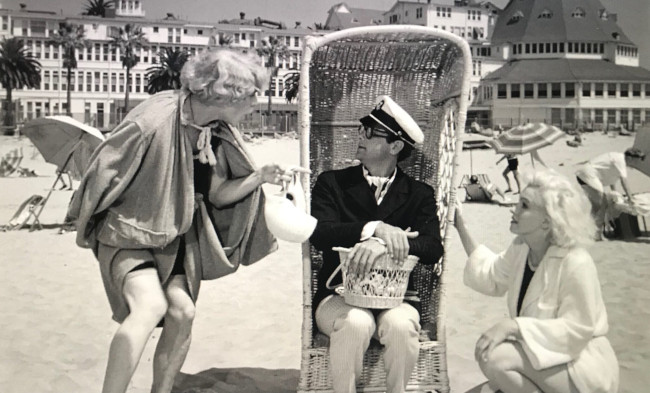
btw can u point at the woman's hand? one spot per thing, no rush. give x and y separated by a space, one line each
275 174
493 337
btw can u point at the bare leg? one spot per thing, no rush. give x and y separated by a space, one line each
147 306
509 369
176 335
505 176
515 174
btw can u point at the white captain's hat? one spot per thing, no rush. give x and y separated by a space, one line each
391 117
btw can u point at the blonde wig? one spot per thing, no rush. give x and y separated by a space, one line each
566 206
224 75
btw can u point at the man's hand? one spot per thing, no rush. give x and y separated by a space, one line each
396 240
362 257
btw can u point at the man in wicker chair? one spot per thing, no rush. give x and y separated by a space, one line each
374 209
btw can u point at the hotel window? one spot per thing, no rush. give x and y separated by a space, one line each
80 80
546 14
5 22
178 35
586 89
611 89
548 47
106 50
529 90
296 41
121 83
636 90
46 80
89 81
598 90
97 78
138 83
514 49
625 90
155 29
542 91
105 81
527 48
98 48
418 13
515 90
598 116
569 115
55 53
516 17
636 115
583 48
38 27
46 52
601 48
170 35
570 90
502 90
64 80
561 47
113 82
39 49
534 45
611 116
55 80
578 13
556 90
624 119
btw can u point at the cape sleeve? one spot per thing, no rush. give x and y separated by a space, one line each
488 272
560 339
111 169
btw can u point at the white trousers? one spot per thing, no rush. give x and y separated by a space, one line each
350 330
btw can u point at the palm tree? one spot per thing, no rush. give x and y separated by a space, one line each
130 39
70 37
97 7
291 82
166 75
271 49
17 70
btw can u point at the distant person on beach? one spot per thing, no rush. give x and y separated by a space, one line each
374 209
600 174
158 201
487 190
513 165
554 340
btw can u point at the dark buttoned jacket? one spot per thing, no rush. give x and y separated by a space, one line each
344 203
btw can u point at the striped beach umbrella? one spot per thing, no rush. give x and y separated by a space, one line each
526 138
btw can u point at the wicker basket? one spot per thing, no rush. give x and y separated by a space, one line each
384 287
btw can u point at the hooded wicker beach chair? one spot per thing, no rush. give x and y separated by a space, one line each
427 72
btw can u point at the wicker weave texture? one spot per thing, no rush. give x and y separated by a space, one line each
426 74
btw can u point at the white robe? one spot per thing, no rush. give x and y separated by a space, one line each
563 317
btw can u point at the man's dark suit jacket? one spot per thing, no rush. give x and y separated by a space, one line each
343 203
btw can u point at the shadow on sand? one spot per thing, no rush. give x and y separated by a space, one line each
238 380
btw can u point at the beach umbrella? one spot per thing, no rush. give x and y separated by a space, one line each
63 141
641 142
526 138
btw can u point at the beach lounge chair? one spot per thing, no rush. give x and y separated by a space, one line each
483 190
427 71
10 163
26 211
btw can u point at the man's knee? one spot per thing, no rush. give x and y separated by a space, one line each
358 321
397 324
182 311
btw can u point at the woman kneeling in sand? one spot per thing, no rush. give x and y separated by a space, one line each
159 199
554 340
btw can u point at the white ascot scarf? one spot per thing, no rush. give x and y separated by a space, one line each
380 184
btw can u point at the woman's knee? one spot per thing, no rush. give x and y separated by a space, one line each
151 306
503 358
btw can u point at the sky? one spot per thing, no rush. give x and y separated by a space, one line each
633 14
288 11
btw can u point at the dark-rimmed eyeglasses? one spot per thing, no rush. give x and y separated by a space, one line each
369 132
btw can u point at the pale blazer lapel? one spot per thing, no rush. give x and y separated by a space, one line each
544 278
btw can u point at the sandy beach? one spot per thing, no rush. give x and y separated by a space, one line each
56 326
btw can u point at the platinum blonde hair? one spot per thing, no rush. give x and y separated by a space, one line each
566 206
224 75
